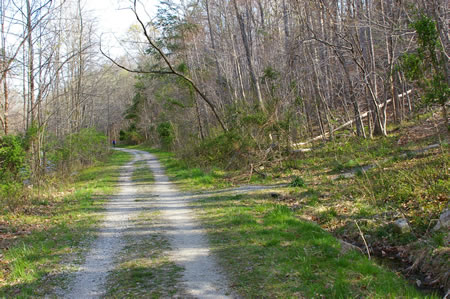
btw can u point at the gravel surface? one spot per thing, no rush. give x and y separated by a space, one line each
189 245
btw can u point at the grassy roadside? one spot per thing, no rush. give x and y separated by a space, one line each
144 268
402 185
47 240
406 183
269 251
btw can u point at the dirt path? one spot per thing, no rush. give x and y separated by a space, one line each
189 246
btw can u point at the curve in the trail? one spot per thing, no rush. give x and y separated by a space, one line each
190 249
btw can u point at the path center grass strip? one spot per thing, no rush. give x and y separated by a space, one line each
144 268
185 177
40 260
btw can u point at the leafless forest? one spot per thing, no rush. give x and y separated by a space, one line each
338 106
259 74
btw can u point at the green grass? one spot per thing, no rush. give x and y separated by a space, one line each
417 188
36 260
269 252
297 182
184 175
412 186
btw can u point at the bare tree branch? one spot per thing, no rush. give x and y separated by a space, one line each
130 70
173 71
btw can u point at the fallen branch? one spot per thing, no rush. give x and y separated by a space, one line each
365 114
364 239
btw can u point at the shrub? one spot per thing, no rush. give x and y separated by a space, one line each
427 66
227 149
122 135
297 182
12 195
131 136
13 171
12 159
88 146
166 134
82 148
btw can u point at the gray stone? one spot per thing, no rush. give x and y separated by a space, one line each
444 220
402 226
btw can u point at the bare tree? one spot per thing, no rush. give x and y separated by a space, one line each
171 71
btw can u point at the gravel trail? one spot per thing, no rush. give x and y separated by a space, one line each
189 245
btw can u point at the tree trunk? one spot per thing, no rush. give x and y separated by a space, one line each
30 112
5 106
249 58
359 124
224 86
3 64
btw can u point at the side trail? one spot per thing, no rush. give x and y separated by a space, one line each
202 277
